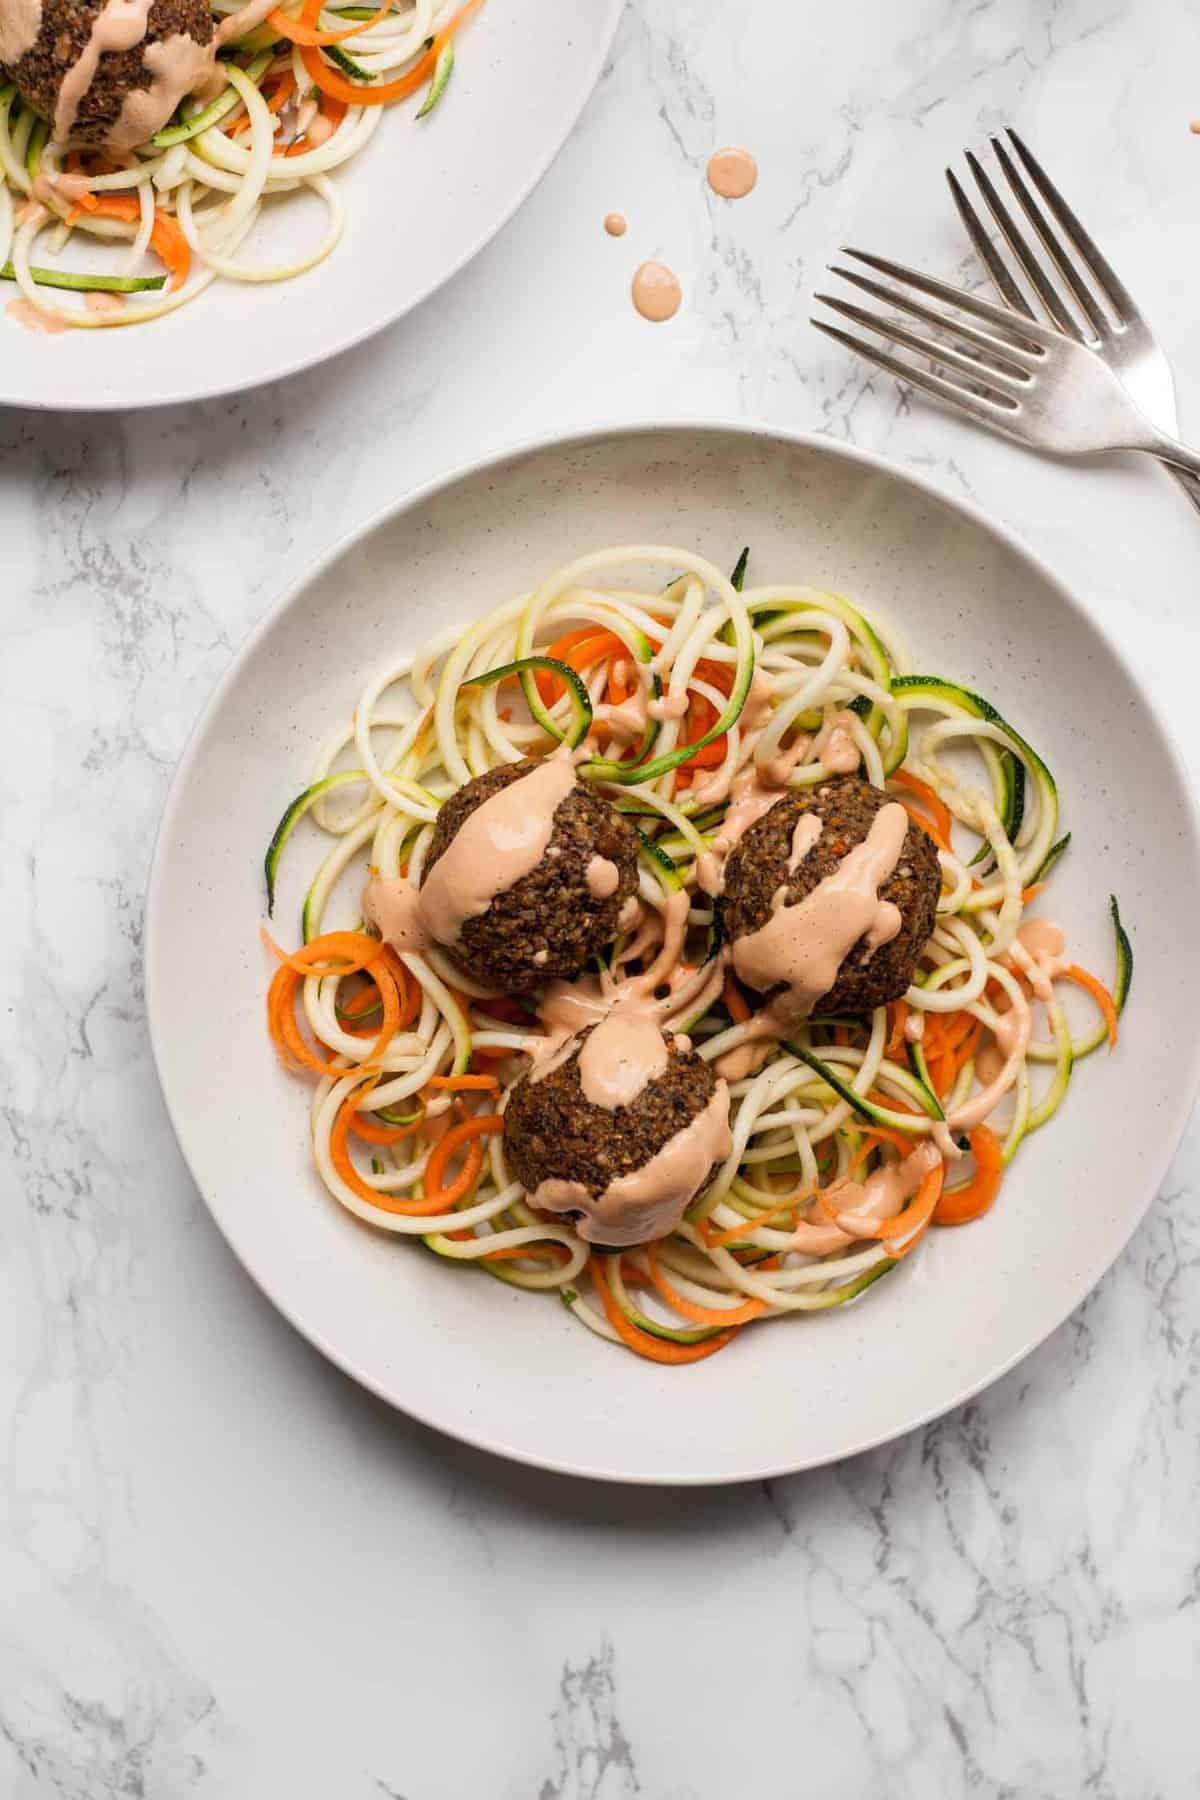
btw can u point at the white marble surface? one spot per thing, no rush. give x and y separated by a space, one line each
226 1572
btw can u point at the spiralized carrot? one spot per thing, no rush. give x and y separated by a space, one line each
441 1197
1085 979
717 1240
915 1217
700 1315
299 33
166 235
937 809
735 1001
659 1350
898 1015
359 93
971 1199
292 1048
463 1083
335 953
577 649
383 1134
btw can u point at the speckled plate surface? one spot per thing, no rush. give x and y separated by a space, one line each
510 1371
421 200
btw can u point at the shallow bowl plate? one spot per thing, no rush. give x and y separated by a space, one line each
511 1371
421 199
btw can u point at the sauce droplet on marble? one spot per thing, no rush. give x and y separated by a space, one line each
732 172
656 292
614 224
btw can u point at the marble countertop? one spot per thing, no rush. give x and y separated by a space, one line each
224 1570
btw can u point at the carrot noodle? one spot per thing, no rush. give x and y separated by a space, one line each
416 1061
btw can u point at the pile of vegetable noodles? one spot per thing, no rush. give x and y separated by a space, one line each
304 93
413 1060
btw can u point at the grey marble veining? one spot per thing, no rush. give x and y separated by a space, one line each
226 1572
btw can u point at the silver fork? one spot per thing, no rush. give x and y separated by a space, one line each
1104 317
1020 377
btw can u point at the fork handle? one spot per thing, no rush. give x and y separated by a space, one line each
1182 461
1190 484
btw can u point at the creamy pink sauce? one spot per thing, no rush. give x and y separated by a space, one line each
42 324
777 770
1042 937
626 722
804 945
656 292
569 1007
757 708
1012 1034
119 25
732 172
914 1027
649 1202
750 799
69 188
30 211
104 303
862 1207
178 66
840 754
602 877
668 706
710 873
804 838
20 23
625 1052
499 843
754 715
630 914
319 131
614 224
394 909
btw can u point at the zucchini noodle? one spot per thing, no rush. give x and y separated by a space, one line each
288 119
416 1059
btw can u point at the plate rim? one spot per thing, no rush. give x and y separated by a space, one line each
83 402
1092 1271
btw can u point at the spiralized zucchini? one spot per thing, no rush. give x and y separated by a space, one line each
415 1058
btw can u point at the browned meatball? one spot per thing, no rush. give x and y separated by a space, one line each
66 29
758 868
546 925
553 1132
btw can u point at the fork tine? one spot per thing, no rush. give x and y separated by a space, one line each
985 411
1097 265
942 354
1024 331
1029 264
1052 243
1006 356
986 250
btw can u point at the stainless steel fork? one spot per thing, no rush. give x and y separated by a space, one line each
1024 379
1090 303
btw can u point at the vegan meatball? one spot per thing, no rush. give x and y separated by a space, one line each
758 868
576 1153
131 92
546 925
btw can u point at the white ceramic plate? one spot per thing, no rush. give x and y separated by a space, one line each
421 200
511 1371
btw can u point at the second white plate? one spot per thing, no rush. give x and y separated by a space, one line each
421 200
